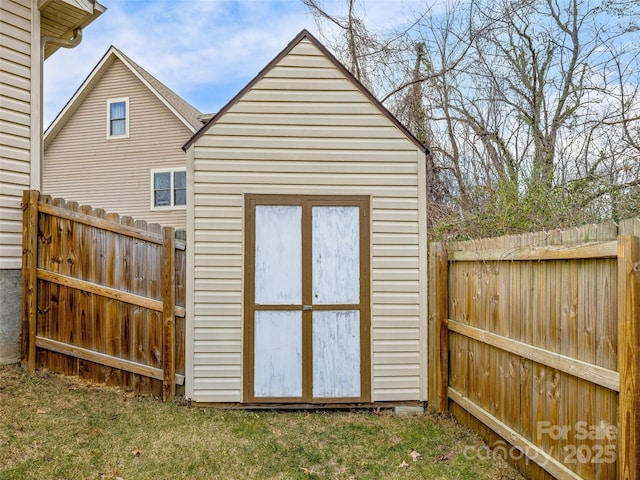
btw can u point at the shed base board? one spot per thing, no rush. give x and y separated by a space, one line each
313 406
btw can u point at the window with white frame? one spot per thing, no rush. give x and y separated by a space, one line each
118 117
169 188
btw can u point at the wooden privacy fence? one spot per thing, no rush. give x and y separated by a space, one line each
535 343
103 296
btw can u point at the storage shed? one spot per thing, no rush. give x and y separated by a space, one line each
307 250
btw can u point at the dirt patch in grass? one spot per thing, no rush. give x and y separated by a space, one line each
58 427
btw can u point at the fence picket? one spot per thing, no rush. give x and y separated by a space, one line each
629 356
113 376
30 281
168 272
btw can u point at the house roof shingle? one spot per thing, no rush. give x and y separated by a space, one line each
191 114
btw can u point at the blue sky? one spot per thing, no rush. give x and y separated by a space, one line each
204 50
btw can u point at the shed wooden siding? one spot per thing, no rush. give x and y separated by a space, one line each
15 124
306 129
119 177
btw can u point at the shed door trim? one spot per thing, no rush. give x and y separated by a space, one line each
307 306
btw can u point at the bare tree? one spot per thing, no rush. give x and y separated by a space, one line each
531 108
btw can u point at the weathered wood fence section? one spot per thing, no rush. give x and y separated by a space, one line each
103 296
535 344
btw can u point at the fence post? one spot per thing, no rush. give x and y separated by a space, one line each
628 454
29 276
438 331
168 313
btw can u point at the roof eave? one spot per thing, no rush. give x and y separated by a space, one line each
88 11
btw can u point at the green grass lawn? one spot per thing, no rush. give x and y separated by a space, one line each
54 427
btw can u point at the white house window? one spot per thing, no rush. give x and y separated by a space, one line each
169 188
118 118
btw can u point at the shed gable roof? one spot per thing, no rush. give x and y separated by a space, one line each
59 19
186 113
306 35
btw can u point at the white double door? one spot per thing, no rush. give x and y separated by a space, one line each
307 314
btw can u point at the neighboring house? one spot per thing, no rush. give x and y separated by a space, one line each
117 144
307 243
30 31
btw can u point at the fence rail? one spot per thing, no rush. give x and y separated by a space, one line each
535 343
103 296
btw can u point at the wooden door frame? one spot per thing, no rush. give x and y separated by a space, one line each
307 202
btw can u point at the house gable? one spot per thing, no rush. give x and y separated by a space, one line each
83 164
187 114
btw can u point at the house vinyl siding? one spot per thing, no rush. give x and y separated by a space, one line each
119 177
15 124
306 129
